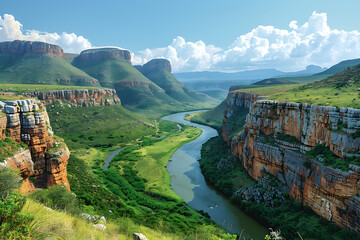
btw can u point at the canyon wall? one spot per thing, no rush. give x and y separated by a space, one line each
45 159
79 97
331 193
20 47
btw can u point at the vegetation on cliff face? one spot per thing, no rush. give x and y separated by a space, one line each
289 216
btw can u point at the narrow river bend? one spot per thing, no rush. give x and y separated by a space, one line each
189 183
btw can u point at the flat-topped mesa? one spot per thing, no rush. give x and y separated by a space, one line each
265 147
78 97
46 159
156 64
100 54
21 47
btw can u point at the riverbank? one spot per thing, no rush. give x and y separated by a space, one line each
189 183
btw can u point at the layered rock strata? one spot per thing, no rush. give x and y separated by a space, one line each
28 121
20 47
155 64
79 98
100 54
331 193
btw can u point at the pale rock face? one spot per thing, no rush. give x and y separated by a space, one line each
79 97
29 122
331 193
139 236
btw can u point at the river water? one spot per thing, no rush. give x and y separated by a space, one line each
189 183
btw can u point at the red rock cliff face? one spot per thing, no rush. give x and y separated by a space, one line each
28 121
331 193
155 64
29 48
100 54
80 98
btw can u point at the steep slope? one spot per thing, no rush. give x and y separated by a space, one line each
112 67
159 72
39 63
341 66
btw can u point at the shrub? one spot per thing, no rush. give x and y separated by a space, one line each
57 197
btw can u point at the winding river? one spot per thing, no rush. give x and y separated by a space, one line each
189 183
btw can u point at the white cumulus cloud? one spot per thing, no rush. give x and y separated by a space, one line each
11 29
183 55
313 42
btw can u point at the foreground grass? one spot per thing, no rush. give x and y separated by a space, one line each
62 225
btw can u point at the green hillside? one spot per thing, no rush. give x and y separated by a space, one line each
338 90
292 80
219 94
42 69
141 95
341 66
174 88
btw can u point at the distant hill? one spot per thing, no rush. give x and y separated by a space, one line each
243 75
341 66
39 63
310 70
312 78
159 72
161 94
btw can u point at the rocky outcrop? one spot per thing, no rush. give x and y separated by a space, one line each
20 47
27 121
331 193
100 54
22 161
154 65
79 98
237 103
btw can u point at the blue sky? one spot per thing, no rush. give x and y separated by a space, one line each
139 25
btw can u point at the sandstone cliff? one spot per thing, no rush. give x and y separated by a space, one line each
20 47
100 54
331 193
28 121
79 97
155 64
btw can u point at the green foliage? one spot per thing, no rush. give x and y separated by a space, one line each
13 223
9 147
228 178
291 217
213 117
97 126
9 180
57 197
288 138
338 90
322 153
